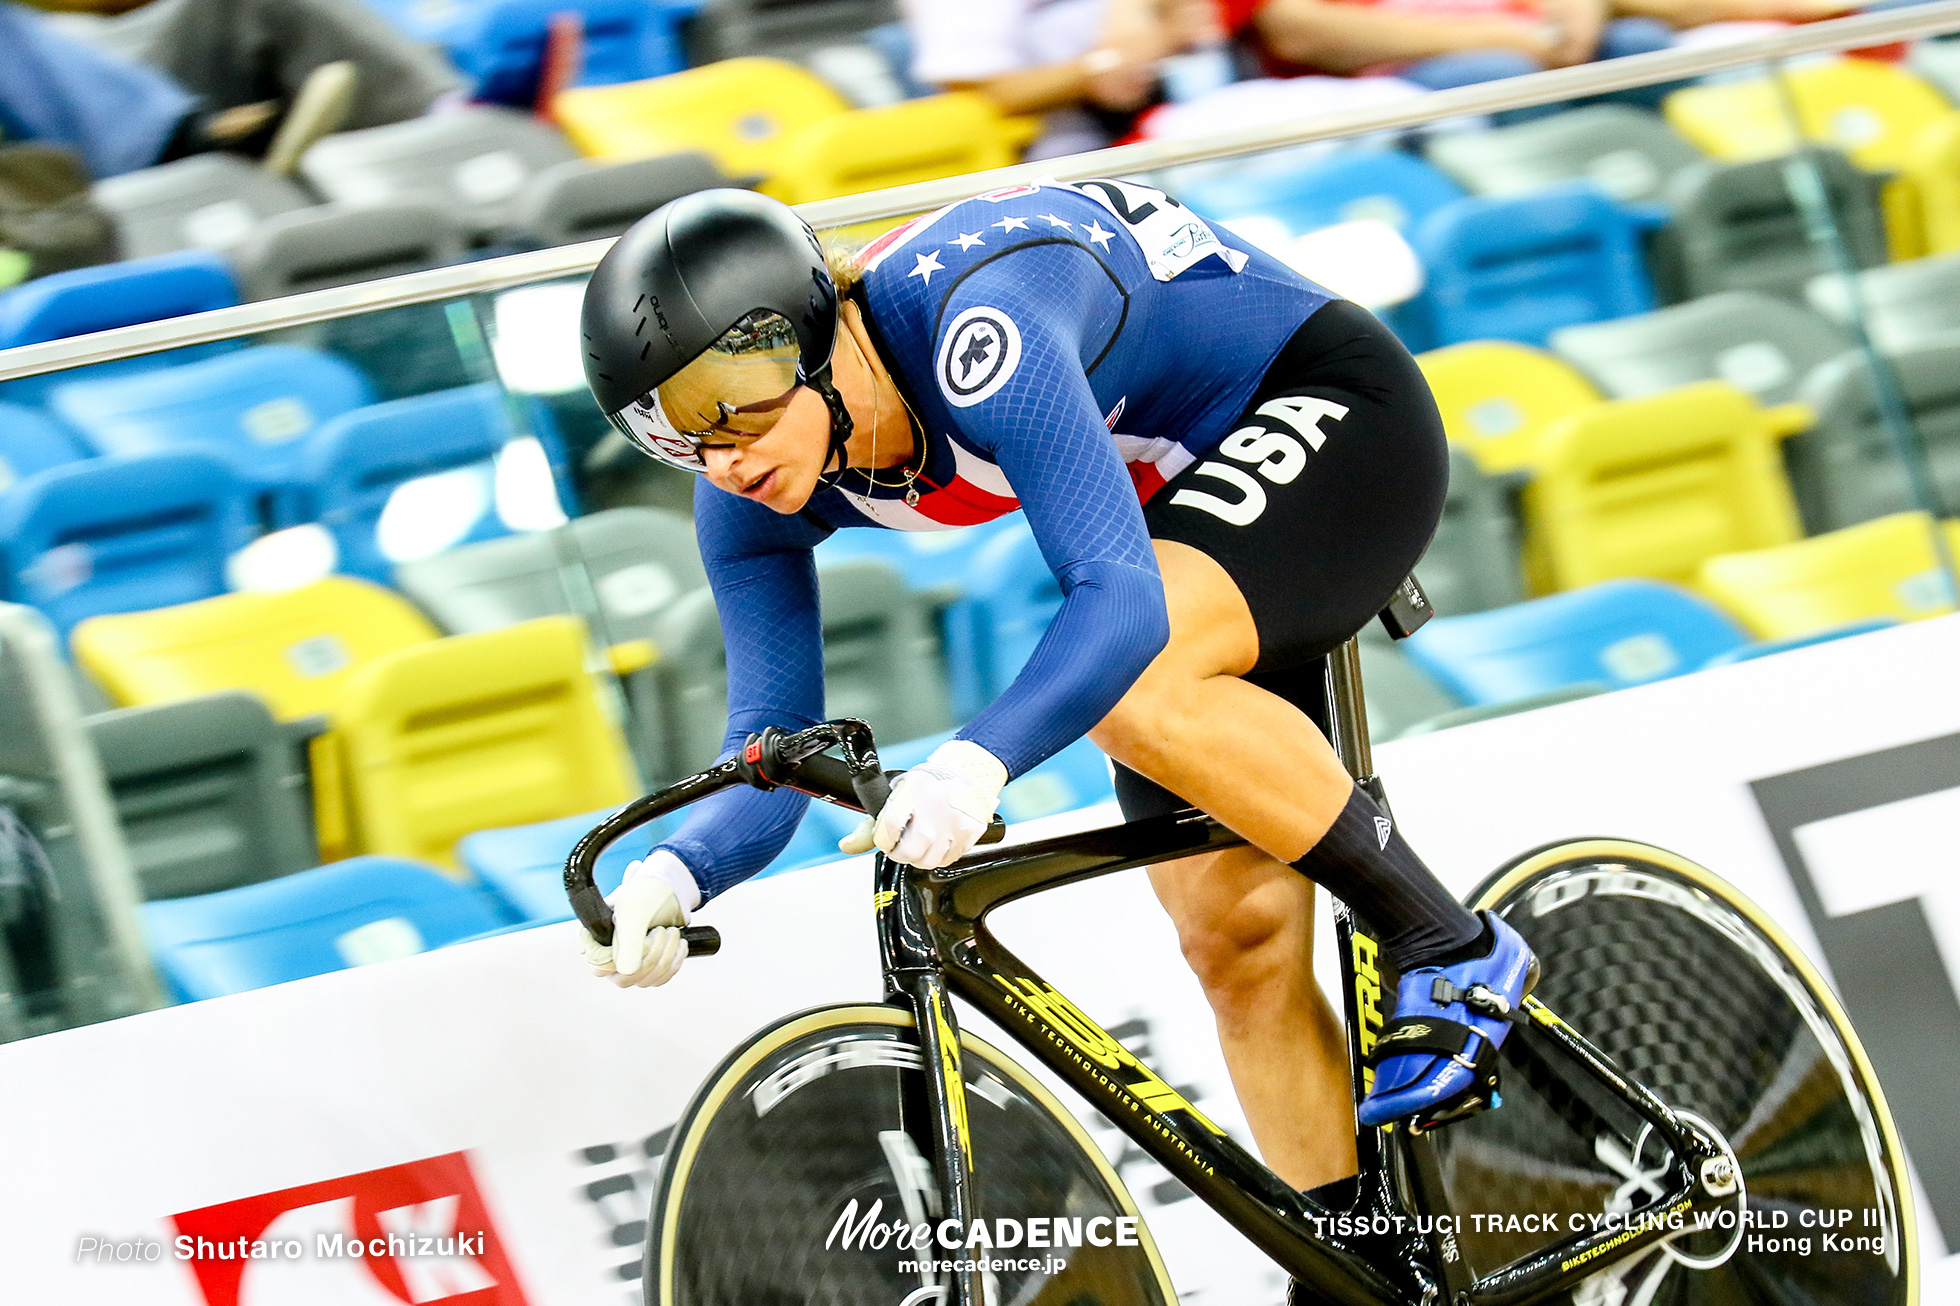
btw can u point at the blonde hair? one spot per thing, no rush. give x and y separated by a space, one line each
840 255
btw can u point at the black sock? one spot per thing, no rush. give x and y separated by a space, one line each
1339 1195
1478 947
1364 862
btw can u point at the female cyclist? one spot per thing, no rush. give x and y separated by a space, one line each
1229 470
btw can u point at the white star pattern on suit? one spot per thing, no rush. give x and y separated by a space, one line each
926 266
1054 221
1096 234
966 241
1012 224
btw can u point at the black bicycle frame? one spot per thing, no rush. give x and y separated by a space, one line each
933 940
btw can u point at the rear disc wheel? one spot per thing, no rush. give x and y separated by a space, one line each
1693 992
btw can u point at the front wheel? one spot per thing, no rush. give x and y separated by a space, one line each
1695 993
799 1173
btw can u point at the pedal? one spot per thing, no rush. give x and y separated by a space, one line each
1481 1096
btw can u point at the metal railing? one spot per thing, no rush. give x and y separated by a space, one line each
1119 161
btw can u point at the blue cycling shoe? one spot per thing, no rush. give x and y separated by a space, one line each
1436 1059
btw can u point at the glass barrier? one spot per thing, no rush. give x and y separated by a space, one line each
1689 317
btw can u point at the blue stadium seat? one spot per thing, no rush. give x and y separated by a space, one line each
254 406
1396 188
1618 632
123 533
347 913
355 464
927 559
1519 267
30 443
499 44
1767 647
524 865
113 295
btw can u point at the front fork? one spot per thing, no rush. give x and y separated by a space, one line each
914 980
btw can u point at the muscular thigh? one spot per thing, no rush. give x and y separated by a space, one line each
1236 901
1298 528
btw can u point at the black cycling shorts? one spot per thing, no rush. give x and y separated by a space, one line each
1317 509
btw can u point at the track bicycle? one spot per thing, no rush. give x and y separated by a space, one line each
1686 1114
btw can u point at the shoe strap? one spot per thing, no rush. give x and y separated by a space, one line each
1404 1035
1480 998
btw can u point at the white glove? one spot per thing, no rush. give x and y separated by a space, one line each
649 907
937 809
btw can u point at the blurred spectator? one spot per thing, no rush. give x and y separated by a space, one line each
178 77
1683 14
242 51
1089 65
1439 43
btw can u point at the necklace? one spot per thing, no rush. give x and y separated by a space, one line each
870 474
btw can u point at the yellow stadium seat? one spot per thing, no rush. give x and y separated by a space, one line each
1932 165
1882 568
1654 486
743 112
1875 112
917 140
1497 398
295 649
500 728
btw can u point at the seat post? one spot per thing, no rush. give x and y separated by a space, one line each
1347 713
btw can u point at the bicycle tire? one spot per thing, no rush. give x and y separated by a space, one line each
1697 994
798 1122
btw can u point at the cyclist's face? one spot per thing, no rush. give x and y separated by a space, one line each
779 468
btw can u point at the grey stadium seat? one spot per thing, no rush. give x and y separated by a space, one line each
584 200
208 201
75 954
1758 344
342 244
210 791
1938 61
788 29
1736 226
1904 303
1472 563
1630 153
617 569
881 663
1397 692
473 163
1843 468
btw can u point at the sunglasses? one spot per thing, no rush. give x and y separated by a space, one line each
736 391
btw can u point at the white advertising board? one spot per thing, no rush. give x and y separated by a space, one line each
497 1091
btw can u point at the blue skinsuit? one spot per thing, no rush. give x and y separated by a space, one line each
1067 349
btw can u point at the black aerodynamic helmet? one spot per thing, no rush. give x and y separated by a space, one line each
702 321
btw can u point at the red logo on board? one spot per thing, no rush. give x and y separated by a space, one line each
403 1234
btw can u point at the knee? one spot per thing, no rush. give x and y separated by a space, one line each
1244 954
1139 730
